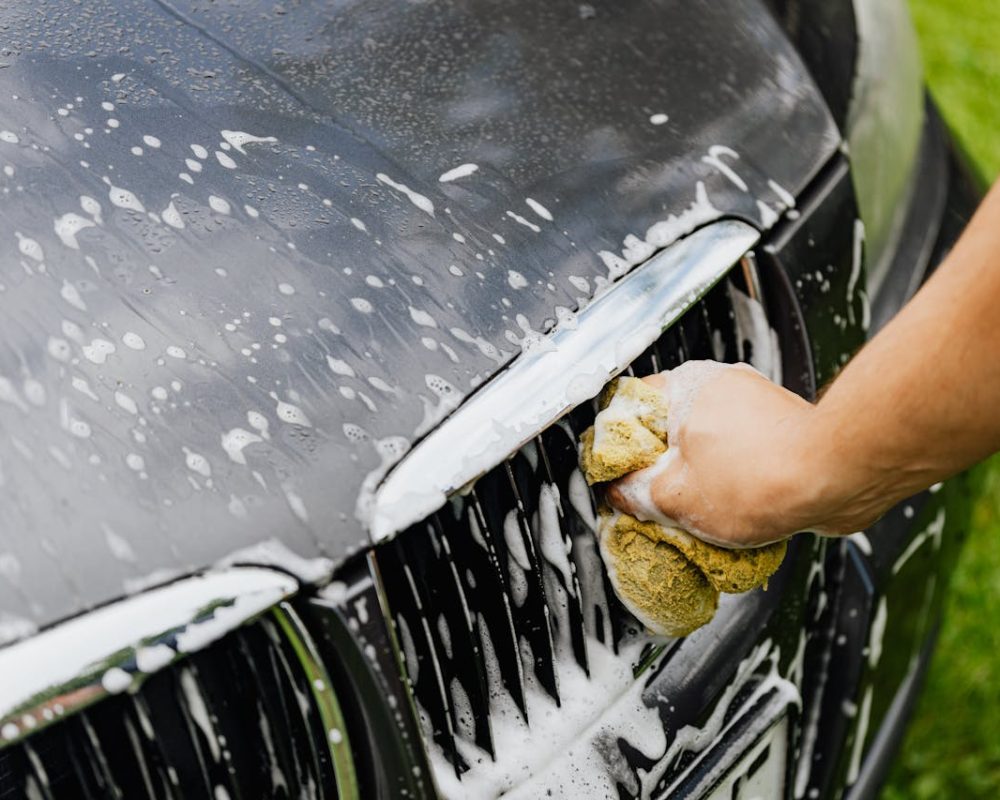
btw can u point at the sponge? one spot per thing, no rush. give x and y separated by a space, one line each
666 577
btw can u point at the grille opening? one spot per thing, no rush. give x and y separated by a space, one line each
491 593
234 721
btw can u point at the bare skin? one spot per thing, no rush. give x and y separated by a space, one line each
755 463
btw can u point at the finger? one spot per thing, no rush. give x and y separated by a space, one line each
619 497
636 493
659 381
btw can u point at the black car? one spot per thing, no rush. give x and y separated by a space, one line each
302 309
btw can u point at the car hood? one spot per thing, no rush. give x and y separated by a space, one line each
252 254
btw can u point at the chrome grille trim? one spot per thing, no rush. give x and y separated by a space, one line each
249 709
544 383
64 669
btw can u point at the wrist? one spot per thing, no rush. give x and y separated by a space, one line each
847 480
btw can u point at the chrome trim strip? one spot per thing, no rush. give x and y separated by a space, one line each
325 698
569 367
64 669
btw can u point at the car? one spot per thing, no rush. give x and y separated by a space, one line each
303 309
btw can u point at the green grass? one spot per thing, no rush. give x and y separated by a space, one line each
961 53
952 749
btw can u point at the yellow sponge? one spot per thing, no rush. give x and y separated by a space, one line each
667 578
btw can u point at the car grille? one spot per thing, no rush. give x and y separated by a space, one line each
236 720
490 594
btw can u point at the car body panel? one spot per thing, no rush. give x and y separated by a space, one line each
210 339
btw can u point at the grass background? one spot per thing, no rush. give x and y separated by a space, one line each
952 749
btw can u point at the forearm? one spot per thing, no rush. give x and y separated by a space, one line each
922 400
753 462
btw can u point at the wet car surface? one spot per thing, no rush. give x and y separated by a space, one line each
258 254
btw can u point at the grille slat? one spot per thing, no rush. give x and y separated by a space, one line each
164 703
558 454
452 633
281 725
38 777
150 783
477 687
457 636
491 598
303 722
281 768
87 774
123 762
421 656
200 721
92 749
154 757
539 500
507 510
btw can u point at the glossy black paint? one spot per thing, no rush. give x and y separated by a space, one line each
817 255
825 34
114 470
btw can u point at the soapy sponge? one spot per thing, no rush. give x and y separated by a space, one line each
666 577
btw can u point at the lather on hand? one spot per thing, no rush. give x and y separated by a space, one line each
732 477
754 463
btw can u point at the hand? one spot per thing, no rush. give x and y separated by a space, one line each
746 463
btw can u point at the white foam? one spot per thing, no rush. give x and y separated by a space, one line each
240 138
783 194
125 402
68 226
98 350
116 680
422 318
219 205
172 216
714 159
461 171
522 221
539 209
234 440
133 341
29 247
860 734
291 414
421 202
71 295
516 280
123 198
339 367
197 463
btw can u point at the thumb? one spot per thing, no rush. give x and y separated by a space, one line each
654 494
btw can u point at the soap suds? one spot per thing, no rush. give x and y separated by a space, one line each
421 202
461 171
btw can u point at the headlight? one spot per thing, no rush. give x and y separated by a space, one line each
884 125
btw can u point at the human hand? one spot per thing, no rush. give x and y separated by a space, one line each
747 462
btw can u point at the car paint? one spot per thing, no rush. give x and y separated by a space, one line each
201 354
